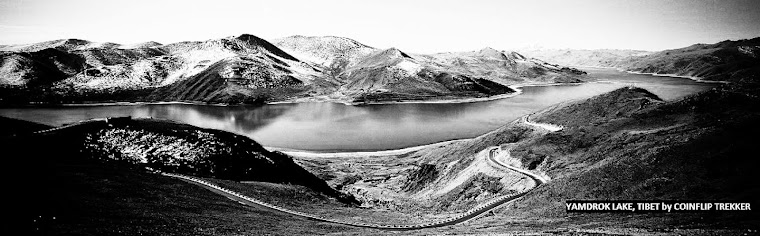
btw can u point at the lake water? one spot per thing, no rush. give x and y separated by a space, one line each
332 126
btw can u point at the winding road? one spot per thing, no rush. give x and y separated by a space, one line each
459 218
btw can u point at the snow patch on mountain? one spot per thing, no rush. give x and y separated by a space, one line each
149 44
324 50
410 67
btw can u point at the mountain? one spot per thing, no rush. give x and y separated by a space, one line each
250 70
504 67
38 68
583 57
369 74
335 53
242 69
724 61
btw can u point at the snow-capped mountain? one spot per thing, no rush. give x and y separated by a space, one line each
328 51
366 70
233 69
248 69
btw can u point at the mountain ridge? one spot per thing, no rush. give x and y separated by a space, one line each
250 70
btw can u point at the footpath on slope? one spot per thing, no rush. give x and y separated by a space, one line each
459 218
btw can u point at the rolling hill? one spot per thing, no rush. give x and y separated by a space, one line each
100 177
729 61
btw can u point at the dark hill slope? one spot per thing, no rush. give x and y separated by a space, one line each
59 190
12 127
38 67
178 148
266 45
723 61
698 148
252 83
93 180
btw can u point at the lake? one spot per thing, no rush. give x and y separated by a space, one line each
339 127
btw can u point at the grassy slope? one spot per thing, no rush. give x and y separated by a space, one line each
89 197
723 61
629 145
698 148
11 127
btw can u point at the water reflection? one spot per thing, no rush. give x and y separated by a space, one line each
329 126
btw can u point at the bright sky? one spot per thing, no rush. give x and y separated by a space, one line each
422 26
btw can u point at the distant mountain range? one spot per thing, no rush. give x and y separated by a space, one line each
583 57
729 60
247 69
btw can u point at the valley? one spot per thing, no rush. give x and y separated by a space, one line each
333 117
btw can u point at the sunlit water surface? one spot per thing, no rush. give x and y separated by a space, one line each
332 126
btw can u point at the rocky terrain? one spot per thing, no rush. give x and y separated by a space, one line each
246 69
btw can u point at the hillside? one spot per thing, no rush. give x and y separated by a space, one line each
626 144
630 145
335 53
100 178
724 61
731 61
504 67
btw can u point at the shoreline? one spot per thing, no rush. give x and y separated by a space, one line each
316 154
694 78
515 87
143 103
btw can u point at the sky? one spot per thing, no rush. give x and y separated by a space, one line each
420 26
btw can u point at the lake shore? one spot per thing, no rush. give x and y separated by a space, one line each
515 87
341 100
313 154
694 78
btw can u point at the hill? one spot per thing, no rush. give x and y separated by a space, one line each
724 61
630 145
99 177
731 61
627 144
